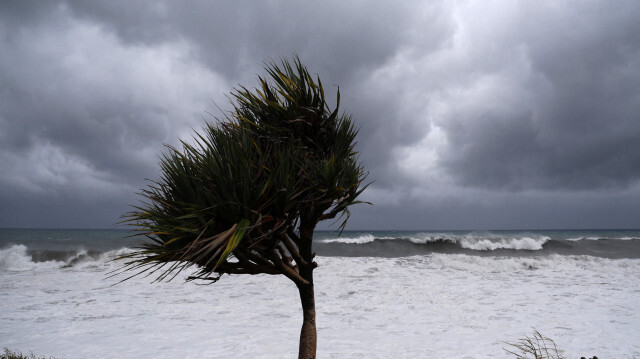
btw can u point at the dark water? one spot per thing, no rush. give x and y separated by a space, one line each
69 245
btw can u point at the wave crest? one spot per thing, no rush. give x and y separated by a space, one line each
366 238
18 258
486 242
474 241
522 243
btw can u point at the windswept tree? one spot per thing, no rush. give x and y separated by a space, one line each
246 195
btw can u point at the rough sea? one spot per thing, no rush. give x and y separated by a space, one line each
393 294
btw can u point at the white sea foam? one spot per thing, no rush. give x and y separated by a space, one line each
522 243
485 241
591 238
16 258
366 238
432 306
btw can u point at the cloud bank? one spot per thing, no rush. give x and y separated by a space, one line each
472 115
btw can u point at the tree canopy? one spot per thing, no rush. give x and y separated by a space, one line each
246 194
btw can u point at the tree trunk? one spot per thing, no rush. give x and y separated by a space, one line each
308 334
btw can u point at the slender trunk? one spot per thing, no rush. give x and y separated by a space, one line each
308 334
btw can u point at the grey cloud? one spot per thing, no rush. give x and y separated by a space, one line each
497 109
344 42
81 112
578 129
335 38
65 208
17 14
480 210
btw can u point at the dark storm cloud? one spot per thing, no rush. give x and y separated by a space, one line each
345 42
498 108
231 36
481 210
570 118
83 113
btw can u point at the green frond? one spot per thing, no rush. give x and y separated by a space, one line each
235 239
280 154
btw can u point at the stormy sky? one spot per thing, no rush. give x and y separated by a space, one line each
472 115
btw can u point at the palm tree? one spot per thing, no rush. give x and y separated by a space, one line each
246 197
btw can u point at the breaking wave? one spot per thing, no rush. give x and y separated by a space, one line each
399 244
478 242
365 238
19 258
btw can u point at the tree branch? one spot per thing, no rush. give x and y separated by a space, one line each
256 258
243 268
330 215
291 247
288 271
293 236
283 254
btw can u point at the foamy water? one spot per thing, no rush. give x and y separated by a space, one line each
482 242
362 239
431 306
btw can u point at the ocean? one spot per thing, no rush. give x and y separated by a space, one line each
379 294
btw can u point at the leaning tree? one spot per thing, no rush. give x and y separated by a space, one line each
246 195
